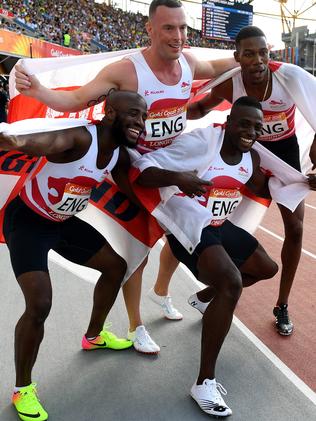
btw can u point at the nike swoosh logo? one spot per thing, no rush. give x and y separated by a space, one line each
104 344
30 415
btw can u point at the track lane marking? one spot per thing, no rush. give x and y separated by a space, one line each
310 206
308 253
276 361
91 276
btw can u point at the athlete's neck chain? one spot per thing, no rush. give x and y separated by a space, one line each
267 87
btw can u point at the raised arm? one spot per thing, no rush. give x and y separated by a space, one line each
111 76
211 68
200 108
43 144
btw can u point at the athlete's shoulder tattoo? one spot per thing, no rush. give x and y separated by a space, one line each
93 102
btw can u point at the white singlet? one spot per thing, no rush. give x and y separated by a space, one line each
167 104
59 191
278 110
224 195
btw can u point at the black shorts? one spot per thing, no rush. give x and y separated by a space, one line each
286 149
30 236
237 242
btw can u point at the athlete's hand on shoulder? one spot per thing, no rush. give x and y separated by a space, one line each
25 84
190 184
312 181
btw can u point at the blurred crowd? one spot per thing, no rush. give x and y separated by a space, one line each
75 23
10 24
4 99
195 39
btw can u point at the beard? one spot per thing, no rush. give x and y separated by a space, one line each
119 134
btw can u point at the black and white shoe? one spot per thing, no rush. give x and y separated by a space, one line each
282 320
208 397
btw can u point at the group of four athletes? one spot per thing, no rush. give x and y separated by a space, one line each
158 85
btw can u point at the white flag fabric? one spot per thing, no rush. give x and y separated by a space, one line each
121 222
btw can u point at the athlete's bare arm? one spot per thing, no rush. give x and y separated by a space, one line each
120 176
312 153
258 182
55 144
218 94
211 68
111 76
312 181
186 181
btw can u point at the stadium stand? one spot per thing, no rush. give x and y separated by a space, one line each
92 26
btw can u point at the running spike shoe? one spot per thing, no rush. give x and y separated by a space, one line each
165 303
105 339
282 320
208 396
27 404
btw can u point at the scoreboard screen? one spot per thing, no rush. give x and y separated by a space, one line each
224 19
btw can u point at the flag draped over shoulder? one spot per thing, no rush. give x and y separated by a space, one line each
196 151
117 219
120 221
109 210
301 87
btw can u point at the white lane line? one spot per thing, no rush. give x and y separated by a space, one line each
285 370
292 377
91 276
308 253
310 206
271 233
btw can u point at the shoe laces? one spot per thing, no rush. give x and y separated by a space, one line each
31 396
143 336
217 389
168 305
221 389
107 325
283 315
106 332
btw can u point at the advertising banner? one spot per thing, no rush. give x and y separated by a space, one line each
6 13
23 46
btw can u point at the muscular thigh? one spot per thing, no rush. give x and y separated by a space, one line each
210 260
79 241
29 237
216 268
258 263
238 243
209 237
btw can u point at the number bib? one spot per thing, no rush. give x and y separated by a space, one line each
274 126
162 126
75 199
221 203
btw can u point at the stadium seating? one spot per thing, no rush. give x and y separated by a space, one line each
92 26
